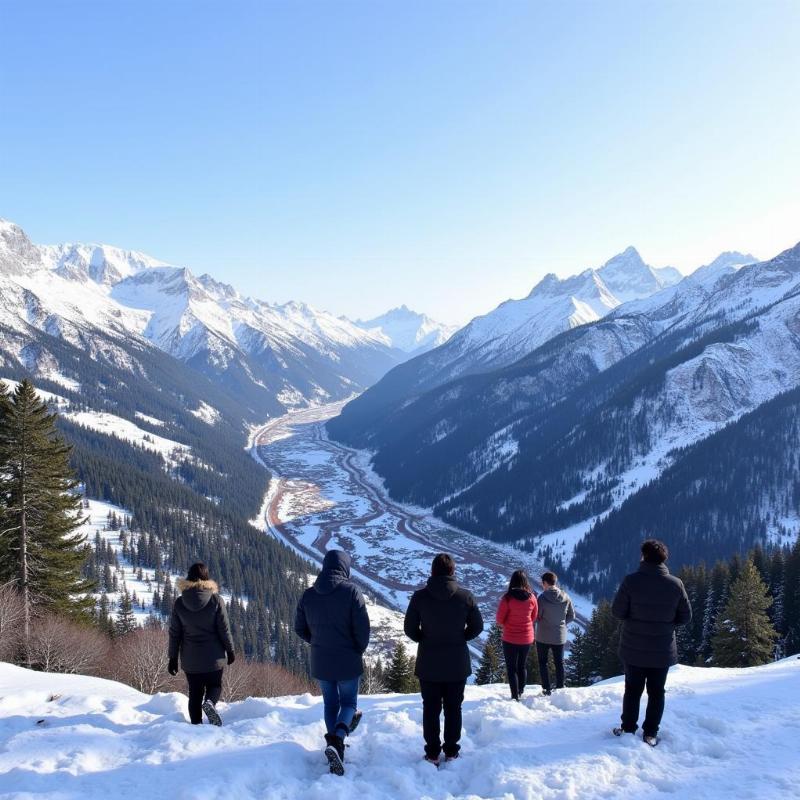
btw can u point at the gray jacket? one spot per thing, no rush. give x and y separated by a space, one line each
555 613
199 629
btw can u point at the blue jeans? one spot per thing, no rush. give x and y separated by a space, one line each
341 701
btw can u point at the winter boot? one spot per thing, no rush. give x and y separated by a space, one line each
651 740
213 716
432 760
334 752
619 731
356 719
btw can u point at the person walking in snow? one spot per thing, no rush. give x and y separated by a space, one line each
516 614
332 617
442 617
651 603
200 633
555 613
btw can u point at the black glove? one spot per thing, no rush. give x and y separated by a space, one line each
173 666
231 657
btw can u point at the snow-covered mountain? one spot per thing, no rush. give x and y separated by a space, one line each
408 330
554 305
539 451
726 733
94 296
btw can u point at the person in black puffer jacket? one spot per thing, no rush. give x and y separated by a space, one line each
200 633
442 618
332 617
650 603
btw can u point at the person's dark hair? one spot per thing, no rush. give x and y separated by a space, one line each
550 577
654 551
519 580
443 564
198 572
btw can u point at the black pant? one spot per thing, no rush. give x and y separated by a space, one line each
435 696
542 651
636 678
516 666
203 686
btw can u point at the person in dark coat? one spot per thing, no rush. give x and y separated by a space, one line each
442 618
200 633
332 617
650 603
555 613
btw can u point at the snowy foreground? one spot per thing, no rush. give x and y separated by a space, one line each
727 733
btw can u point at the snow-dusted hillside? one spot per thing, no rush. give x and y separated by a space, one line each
409 331
726 733
94 296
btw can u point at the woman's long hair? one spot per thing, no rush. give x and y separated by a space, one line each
519 580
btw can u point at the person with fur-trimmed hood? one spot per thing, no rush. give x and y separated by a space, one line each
199 631
332 617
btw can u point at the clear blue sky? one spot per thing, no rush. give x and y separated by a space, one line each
359 155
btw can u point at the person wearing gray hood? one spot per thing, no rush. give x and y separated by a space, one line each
200 633
555 613
332 617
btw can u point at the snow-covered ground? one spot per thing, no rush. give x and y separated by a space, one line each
726 733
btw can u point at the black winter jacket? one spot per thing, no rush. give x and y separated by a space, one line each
442 618
332 617
650 602
198 628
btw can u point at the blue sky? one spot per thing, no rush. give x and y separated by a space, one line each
359 155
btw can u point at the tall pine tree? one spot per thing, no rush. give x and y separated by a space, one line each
492 668
399 676
745 636
40 549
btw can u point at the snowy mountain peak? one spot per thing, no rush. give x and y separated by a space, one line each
732 258
16 250
408 330
101 263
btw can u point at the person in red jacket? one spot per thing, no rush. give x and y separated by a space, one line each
516 615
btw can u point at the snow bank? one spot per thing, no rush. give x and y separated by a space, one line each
726 733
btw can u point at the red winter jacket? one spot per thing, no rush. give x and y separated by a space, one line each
516 614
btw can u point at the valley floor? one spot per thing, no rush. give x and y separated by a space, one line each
726 733
324 495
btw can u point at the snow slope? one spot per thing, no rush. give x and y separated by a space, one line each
726 733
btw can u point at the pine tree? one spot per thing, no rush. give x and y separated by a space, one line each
39 547
399 676
791 601
602 643
126 621
745 636
577 669
492 668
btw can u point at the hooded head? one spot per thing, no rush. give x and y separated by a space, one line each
335 570
196 593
